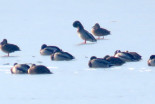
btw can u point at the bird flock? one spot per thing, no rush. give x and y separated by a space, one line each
57 54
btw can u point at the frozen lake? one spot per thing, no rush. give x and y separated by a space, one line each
31 23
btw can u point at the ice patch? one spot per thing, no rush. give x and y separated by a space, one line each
76 72
91 69
5 66
50 67
115 68
145 70
131 68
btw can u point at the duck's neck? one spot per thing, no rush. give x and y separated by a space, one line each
80 27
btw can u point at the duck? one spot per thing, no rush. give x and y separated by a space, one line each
8 48
60 55
124 56
114 60
151 61
137 57
98 63
83 34
20 68
128 56
48 50
38 69
98 31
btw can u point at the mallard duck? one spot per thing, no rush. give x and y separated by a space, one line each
48 50
124 56
20 69
38 69
8 48
114 60
98 31
151 61
59 55
84 34
136 56
98 63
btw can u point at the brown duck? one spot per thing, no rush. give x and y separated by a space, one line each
20 69
83 34
38 69
8 48
98 31
114 60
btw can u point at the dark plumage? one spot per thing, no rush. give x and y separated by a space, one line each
114 60
151 61
135 55
124 56
8 48
128 56
48 50
38 69
20 69
84 34
98 63
59 55
98 31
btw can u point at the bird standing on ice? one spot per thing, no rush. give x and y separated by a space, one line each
84 34
8 48
98 31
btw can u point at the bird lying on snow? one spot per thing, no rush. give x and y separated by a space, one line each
151 61
48 50
99 63
39 69
127 56
20 68
59 55
114 60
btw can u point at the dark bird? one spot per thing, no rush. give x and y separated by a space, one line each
20 69
124 56
98 63
59 55
114 60
128 56
39 69
136 56
8 48
151 61
84 34
98 31
48 50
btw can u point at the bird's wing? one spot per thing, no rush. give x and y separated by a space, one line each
90 36
66 55
11 47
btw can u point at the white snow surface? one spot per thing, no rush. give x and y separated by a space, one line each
31 23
